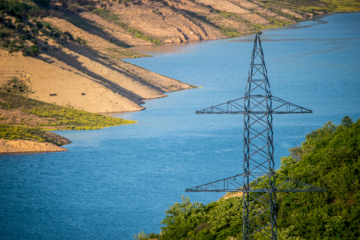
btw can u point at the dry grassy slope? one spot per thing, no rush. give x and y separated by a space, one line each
194 20
66 82
85 80
91 77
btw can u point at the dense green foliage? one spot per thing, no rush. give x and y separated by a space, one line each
14 8
14 34
329 158
22 28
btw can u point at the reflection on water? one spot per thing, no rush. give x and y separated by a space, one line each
118 181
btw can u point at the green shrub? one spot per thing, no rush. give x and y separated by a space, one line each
16 86
39 24
69 35
17 132
15 8
47 25
230 32
80 41
34 50
42 3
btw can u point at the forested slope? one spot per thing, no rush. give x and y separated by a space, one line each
329 158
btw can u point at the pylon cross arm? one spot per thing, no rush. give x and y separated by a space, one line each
260 184
279 106
230 184
292 185
230 107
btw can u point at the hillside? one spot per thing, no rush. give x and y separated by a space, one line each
329 158
68 52
64 64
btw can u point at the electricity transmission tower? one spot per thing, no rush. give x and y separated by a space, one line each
259 182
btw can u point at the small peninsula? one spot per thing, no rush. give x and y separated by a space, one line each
25 122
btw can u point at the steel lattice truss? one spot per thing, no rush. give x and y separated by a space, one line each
259 182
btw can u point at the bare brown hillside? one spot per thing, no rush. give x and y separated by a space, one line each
68 52
169 21
79 67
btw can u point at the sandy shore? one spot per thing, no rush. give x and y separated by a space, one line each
27 146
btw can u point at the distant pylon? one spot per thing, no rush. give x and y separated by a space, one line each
260 182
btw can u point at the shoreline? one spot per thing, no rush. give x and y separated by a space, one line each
54 148
26 125
169 47
27 147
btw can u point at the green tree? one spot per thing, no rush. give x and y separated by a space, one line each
181 219
346 122
329 158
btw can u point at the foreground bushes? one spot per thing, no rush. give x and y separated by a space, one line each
329 158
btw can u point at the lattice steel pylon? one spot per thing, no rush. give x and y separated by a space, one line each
260 182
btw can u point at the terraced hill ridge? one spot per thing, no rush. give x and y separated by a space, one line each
68 52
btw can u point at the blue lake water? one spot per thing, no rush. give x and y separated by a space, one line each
118 181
